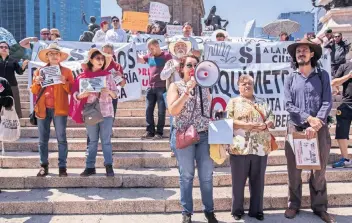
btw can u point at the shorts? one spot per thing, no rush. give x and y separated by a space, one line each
344 119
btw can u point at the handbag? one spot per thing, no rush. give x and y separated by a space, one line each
32 118
188 136
273 144
92 113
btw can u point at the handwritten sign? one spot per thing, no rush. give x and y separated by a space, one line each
173 30
159 12
136 21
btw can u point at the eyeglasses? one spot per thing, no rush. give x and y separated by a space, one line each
189 65
115 20
4 47
99 58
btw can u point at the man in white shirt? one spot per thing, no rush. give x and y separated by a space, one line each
116 34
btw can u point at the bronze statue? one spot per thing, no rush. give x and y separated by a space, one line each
92 25
334 4
214 21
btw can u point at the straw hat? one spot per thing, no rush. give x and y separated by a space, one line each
108 58
318 51
180 48
53 47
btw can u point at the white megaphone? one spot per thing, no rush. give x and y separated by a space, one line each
207 74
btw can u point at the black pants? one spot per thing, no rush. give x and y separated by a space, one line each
155 96
252 167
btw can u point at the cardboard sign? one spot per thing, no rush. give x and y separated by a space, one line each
159 12
306 152
136 21
174 30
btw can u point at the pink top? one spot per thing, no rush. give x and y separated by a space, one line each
105 100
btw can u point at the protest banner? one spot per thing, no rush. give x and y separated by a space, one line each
125 54
173 30
136 21
94 84
267 62
51 75
159 12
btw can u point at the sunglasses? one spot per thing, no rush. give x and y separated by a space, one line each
115 20
99 58
45 34
4 47
189 65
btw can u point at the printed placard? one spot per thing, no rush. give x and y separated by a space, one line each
306 152
51 75
92 84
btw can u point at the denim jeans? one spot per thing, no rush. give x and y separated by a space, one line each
60 123
171 126
155 96
102 129
185 158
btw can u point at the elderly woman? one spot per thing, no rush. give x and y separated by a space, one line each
52 105
183 99
251 146
8 67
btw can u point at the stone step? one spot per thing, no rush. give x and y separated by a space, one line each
81 132
126 159
341 214
144 177
141 122
118 144
145 200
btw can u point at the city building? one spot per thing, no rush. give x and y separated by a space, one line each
65 15
180 10
13 17
305 19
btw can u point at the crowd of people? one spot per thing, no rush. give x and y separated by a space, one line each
308 100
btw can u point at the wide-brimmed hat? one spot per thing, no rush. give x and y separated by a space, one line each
108 58
180 42
318 51
53 47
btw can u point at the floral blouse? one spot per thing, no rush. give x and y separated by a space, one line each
246 142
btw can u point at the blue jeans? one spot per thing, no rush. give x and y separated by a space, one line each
104 130
185 158
60 123
171 126
155 96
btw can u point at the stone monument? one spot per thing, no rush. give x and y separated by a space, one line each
92 25
338 18
214 21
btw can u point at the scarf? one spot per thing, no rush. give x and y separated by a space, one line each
76 107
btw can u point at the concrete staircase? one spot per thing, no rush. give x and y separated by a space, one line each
146 178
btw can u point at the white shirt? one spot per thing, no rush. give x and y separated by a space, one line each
116 36
99 37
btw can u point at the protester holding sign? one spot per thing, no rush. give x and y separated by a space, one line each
94 67
157 87
308 101
8 67
252 118
115 70
52 105
184 104
116 34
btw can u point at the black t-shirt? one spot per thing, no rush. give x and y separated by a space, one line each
8 67
344 70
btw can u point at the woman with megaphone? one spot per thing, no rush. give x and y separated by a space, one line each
190 136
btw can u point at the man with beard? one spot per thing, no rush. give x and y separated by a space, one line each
308 101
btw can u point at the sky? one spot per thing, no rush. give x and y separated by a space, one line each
238 12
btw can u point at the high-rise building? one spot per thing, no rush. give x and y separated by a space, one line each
65 15
13 17
305 19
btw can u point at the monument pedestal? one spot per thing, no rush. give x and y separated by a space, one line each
340 21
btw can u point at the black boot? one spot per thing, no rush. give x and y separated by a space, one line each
88 172
43 171
62 172
109 171
187 218
210 216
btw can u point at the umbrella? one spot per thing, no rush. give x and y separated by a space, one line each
281 25
7 36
